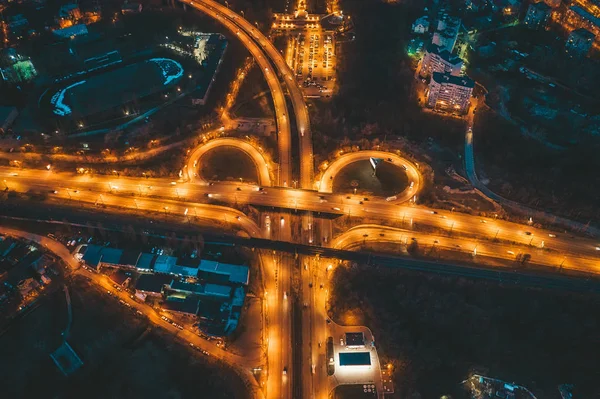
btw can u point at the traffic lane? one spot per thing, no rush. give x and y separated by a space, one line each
54 246
361 234
309 200
298 103
284 134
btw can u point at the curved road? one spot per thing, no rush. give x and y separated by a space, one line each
414 176
130 190
262 167
221 13
283 125
475 182
357 236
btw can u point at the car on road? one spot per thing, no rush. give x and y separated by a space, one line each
335 208
285 371
552 235
528 233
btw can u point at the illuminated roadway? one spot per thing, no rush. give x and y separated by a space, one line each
227 17
283 125
414 176
149 194
259 161
179 200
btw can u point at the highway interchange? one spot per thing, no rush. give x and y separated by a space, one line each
285 206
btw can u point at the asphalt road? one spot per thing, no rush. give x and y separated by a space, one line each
150 194
246 36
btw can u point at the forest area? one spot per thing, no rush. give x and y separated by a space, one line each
436 331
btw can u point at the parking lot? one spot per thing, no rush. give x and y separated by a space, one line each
311 55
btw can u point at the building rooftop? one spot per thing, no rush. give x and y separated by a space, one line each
217 290
92 255
111 255
355 359
455 80
586 15
444 54
235 273
583 33
71 31
129 257
238 297
355 339
210 309
151 283
186 287
168 265
146 261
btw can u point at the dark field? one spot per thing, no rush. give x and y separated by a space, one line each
122 357
228 163
436 331
390 179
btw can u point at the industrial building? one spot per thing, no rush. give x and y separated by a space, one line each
207 290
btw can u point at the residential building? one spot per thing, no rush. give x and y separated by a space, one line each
475 5
71 31
68 15
577 17
553 3
448 92
421 25
537 15
579 43
446 32
171 265
438 59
